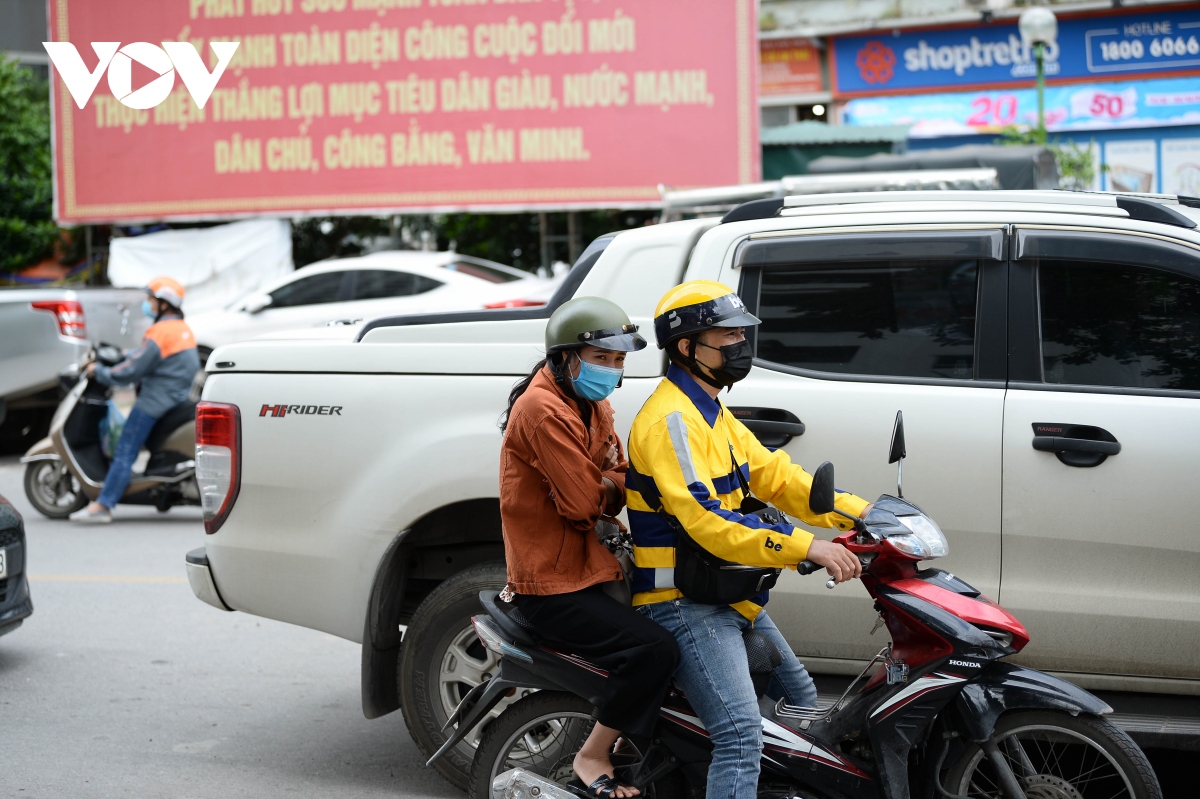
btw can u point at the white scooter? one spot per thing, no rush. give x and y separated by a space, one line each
67 468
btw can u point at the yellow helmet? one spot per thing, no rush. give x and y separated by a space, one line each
696 306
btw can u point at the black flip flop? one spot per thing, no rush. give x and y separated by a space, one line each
604 787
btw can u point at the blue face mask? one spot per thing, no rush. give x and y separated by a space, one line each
147 310
596 382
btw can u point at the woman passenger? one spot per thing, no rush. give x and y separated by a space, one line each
562 468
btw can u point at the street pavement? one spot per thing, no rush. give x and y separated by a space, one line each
122 684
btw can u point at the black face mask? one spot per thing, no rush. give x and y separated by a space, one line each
738 359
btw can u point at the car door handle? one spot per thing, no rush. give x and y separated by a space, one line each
1060 444
1075 444
773 427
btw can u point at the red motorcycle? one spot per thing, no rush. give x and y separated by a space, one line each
937 714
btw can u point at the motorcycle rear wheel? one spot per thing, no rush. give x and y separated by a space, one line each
1055 755
52 489
541 734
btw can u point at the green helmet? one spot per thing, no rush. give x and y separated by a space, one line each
591 321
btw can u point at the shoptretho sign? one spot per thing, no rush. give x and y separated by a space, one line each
1104 106
1145 44
295 107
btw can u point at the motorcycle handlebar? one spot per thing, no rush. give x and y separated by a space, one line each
808 567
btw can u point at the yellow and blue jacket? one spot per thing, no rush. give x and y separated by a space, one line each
683 450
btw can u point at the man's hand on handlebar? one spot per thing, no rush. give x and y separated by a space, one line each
841 563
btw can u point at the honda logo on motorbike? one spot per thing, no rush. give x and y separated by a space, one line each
966 663
311 410
172 57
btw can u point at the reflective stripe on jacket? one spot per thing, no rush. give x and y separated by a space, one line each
680 459
166 364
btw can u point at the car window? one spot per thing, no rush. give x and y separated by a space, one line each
374 284
888 318
482 272
311 290
1117 325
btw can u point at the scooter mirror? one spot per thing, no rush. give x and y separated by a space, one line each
897 450
821 495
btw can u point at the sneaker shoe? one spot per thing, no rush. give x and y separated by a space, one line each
89 517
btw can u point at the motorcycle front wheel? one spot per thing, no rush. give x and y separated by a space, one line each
541 734
52 489
1055 755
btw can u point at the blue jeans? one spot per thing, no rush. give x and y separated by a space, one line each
136 431
715 674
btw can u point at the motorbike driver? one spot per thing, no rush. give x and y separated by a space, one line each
166 364
690 461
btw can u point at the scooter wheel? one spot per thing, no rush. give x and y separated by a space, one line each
52 489
541 734
1055 754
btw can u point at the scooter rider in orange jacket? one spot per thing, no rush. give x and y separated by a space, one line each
166 364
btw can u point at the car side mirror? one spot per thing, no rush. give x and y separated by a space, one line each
257 303
821 494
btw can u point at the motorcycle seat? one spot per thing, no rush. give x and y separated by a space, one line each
168 423
510 618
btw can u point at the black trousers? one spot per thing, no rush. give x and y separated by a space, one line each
639 655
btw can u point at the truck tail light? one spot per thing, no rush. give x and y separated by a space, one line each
515 304
68 314
218 460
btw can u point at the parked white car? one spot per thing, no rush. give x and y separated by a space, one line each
348 290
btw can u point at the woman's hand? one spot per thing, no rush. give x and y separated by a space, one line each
612 494
611 459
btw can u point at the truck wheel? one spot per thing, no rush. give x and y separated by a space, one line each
52 489
442 660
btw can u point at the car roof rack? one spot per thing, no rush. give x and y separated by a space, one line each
1148 210
1139 206
680 203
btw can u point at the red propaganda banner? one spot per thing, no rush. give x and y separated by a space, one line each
352 106
789 66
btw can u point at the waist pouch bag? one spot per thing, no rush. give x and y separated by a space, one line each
703 577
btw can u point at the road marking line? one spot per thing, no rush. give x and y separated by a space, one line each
102 578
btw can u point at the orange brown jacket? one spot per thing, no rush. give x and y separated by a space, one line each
551 490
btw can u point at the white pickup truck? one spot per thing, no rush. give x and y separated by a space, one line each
1042 346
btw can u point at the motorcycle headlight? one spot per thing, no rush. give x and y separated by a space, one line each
925 540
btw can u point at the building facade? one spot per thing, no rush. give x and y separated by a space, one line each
1124 82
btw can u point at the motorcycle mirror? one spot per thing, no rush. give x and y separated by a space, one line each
257 303
821 494
897 450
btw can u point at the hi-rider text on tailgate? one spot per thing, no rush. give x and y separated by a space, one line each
312 410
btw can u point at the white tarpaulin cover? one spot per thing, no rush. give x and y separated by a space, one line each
216 265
